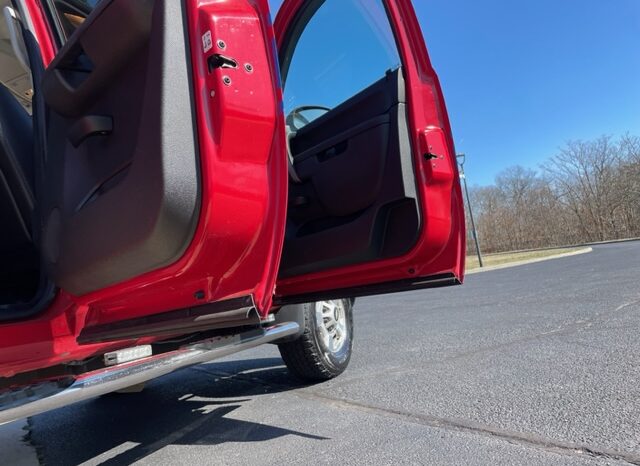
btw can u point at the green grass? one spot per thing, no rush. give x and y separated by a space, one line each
505 258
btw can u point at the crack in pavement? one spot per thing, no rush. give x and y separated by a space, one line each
530 440
524 439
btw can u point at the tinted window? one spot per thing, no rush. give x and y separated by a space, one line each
339 48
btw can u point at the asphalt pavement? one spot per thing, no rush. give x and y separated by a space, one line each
536 364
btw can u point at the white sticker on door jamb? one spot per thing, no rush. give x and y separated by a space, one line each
207 43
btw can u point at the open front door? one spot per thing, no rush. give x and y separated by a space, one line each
374 199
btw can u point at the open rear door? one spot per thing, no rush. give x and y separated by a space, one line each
374 200
122 184
159 186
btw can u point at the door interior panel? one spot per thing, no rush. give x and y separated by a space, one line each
356 200
121 161
95 55
342 153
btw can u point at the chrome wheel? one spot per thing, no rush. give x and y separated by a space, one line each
323 351
331 324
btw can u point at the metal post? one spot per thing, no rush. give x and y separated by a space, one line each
474 232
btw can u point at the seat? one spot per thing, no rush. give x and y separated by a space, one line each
18 256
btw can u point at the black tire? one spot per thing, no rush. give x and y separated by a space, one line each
308 358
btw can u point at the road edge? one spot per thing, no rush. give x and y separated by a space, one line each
529 261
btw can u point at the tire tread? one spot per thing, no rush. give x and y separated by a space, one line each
304 358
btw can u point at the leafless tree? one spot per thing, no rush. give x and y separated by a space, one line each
589 191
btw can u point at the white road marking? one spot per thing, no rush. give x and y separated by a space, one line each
111 454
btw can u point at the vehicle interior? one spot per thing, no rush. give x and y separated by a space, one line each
68 157
352 193
14 69
24 286
19 268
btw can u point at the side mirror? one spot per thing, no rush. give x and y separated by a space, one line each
302 116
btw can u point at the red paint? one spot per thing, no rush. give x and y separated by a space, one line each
440 247
42 31
237 245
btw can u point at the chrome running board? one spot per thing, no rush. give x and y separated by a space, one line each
47 396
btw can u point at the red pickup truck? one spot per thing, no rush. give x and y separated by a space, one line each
180 180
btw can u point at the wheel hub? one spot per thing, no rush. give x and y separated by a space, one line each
331 320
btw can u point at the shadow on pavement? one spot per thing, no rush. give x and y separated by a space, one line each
190 407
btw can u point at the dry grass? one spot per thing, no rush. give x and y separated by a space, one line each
504 258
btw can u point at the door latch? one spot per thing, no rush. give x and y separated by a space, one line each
220 61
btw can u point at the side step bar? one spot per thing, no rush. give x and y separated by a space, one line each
47 396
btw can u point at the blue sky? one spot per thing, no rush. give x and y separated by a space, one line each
521 78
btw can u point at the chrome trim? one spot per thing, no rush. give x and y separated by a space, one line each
37 400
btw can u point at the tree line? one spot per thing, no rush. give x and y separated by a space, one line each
589 191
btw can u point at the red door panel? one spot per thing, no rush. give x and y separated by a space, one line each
240 217
437 257
232 258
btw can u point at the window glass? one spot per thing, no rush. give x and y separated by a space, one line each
72 13
346 46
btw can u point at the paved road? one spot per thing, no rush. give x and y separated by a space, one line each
538 364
